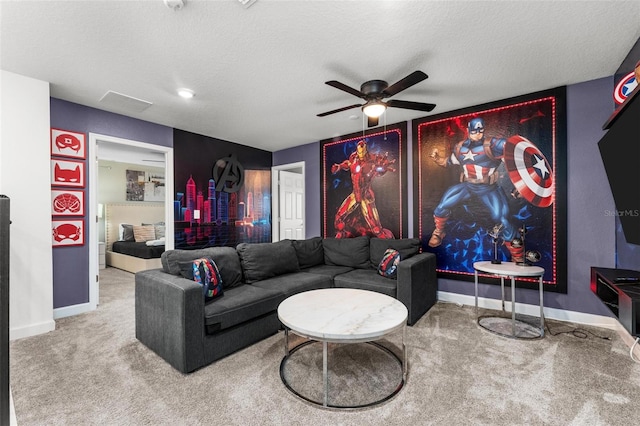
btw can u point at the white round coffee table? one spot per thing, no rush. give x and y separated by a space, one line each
341 315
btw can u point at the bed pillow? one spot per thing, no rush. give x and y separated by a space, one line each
203 271
159 228
143 233
388 266
160 231
266 260
125 232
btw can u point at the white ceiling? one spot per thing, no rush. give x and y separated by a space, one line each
259 72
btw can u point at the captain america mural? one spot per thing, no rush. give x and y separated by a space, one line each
488 168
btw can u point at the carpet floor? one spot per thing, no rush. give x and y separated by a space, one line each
92 371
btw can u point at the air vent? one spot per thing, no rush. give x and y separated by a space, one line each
124 103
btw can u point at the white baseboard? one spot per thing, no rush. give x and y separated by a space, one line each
549 313
32 330
68 311
533 310
12 411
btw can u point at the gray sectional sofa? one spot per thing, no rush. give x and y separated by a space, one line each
174 321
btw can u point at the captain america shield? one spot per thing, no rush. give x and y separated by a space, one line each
529 171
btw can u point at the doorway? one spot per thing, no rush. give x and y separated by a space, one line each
103 147
288 196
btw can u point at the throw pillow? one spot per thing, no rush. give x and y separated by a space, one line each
407 247
143 233
226 259
204 271
126 232
388 266
309 252
266 260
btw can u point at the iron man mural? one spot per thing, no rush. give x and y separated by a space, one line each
363 190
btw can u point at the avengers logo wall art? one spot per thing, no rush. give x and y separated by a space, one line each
363 180
68 144
495 165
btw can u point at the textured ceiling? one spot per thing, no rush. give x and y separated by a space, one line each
259 72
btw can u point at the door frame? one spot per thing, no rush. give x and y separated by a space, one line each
275 196
92 217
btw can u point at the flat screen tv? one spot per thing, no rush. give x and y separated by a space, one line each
620 151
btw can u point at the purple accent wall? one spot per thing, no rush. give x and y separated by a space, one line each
310 154
591 234
71 264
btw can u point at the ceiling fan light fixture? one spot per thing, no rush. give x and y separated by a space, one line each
374 109
186 93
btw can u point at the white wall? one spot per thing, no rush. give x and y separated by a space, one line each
25 165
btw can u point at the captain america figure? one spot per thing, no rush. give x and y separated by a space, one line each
479 158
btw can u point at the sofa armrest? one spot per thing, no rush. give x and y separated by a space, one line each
417 284
170 318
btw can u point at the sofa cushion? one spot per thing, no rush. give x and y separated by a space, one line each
297 282
240 304
352 252
406 246
388 266
366 279
204 272
266 260
327 270
226 259
309 252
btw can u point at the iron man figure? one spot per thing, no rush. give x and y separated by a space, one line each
363 166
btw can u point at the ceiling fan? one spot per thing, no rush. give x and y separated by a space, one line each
374 91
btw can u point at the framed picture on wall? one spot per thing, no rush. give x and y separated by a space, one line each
68 144
67 173
67 233
363 184
67 202
497 169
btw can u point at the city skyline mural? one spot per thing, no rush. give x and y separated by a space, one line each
223 193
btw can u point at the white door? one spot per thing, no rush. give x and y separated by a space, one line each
291 195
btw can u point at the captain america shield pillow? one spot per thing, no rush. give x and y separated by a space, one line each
388 266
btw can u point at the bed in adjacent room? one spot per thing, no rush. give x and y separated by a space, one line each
134 235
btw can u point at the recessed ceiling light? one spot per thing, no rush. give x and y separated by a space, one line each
186 93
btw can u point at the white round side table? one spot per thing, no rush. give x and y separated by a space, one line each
519 329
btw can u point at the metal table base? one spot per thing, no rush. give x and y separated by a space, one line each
325 372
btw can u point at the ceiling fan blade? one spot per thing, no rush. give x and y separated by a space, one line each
418 106
372 121
413 78
339 110
344 87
